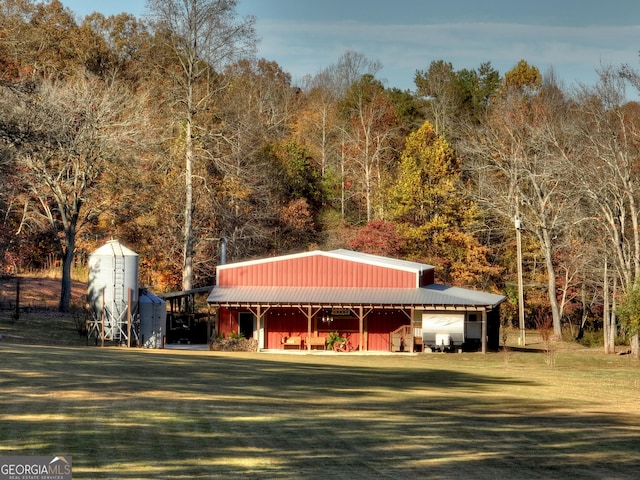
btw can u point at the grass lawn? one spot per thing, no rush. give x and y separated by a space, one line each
133 413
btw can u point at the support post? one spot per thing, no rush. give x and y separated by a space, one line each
16 315
129 299
260 327
522 339
102 321
484 330
309 315
360 328
209 325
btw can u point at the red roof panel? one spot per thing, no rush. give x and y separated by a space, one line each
326 269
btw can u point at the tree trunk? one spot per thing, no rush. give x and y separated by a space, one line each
606 310
367 195
635 346
68 252
553 302
187 254
546 243
612 319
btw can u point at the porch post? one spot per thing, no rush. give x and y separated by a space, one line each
309 327
260 327
360 328
484 330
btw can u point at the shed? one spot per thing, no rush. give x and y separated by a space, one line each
153 319
377 303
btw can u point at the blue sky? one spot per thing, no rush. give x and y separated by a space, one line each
575 37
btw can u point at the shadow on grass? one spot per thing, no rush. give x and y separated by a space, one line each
135 414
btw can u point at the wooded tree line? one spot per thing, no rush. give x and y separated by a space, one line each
167 133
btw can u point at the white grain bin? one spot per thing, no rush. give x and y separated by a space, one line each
113 283
153 319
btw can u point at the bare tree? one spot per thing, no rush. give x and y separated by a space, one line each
371 126
318 126
521 170
70 133
252 117
201 37
322 129
606 170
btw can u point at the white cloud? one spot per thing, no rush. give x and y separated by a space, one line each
306 47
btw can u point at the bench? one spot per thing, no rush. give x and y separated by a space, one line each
319 343
292 342
418 344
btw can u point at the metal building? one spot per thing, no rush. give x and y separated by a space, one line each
375 303
153 319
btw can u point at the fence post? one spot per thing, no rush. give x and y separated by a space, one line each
16 314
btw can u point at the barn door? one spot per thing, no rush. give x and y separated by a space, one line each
246 324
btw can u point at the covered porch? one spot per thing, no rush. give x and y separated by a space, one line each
392 327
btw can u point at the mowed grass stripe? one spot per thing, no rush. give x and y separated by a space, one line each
132 413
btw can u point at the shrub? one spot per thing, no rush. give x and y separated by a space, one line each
591 338
234 343
333 338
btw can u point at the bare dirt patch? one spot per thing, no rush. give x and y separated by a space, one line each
38 321
38 292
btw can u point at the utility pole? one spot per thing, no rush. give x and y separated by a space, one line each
518 224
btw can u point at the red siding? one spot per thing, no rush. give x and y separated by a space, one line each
227 321
287 322
317 271
380 324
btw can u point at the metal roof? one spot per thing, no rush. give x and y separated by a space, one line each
379 260
431 296
344 255
184 293
113 248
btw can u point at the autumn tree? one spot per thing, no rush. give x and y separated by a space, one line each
10 207
201 38
433 215
49 42
316 126
370 135
248 168
523 78
521 170
121 46
12 26
628 310
379 237
322 130
607 162
69 134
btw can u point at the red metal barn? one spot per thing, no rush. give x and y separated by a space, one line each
377 303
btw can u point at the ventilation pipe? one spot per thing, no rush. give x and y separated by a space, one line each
223 250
